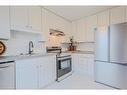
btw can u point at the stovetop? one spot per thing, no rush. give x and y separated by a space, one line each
63 54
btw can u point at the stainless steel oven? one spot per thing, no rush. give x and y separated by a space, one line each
64 66
64 62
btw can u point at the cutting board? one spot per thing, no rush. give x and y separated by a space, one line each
2 48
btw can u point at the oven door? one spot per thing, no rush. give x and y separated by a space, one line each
64 66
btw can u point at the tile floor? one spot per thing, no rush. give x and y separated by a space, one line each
78 81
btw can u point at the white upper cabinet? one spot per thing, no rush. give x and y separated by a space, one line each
26 19
19 18
103 18
44 25
117 15
126 14
81 30
4 23
74 30
35 18
91 25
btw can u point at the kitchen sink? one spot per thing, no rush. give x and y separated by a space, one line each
33 54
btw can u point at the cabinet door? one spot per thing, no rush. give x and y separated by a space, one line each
47 72
117 15
91 24
83 64
19 17
4 23
126 14
35 18
86 65
79 63
103 18
81 30
74 62
90 62
74 29
45 29
43 73
27 74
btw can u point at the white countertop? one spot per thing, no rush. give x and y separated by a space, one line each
20 57
80 52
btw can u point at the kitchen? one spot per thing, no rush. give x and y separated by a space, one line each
47 47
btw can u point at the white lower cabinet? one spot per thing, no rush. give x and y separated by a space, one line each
47 71
83 64
27 74
34 73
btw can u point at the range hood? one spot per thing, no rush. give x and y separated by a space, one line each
56 32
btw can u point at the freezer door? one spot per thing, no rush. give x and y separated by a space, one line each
102 44
118 43
111 74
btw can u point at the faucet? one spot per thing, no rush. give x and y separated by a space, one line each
31 45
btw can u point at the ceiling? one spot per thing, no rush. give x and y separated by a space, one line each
75 12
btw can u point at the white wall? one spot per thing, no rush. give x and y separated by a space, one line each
19 43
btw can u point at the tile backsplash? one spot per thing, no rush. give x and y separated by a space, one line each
80 46
86 47
19 43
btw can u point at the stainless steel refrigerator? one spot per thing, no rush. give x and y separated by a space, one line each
111 55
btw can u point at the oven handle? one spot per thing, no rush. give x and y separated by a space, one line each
61 58
64 59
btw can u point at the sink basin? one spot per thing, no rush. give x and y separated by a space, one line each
24 56
33 54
